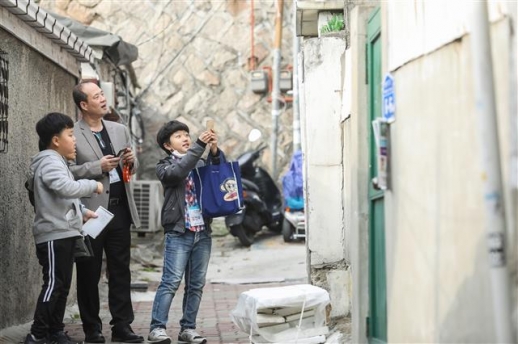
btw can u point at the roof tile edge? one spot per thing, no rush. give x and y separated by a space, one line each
43 22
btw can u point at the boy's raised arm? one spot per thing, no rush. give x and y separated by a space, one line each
171 172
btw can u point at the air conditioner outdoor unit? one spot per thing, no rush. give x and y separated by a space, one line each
149 197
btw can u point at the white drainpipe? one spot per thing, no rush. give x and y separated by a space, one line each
485 111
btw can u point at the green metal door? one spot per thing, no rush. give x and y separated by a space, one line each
377 323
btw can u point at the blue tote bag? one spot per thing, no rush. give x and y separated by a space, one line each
219 189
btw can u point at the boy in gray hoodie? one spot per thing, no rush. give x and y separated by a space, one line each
58 221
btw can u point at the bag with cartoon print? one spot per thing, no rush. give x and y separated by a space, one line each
218 188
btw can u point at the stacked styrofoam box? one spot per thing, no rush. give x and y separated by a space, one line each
284 314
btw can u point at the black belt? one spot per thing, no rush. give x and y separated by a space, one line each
114 201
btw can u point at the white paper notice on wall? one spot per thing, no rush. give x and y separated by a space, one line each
94 226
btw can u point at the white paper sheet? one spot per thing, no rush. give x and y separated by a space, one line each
93 227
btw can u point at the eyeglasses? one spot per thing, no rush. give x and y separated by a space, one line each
99 138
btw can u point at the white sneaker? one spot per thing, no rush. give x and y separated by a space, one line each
189 335
158 336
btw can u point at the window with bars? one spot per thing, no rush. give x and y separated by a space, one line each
4 101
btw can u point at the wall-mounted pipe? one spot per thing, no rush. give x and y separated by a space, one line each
487 133
276 92
296 112
251 61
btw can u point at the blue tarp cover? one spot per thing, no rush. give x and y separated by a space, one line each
293 184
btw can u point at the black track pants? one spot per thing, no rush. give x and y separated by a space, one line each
57 261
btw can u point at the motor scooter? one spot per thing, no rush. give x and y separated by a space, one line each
294 225
262 200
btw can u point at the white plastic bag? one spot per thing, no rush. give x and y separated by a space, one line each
306 303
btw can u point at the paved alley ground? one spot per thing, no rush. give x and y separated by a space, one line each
233 269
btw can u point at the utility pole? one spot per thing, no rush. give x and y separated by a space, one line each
252 60
487 133
276 93
296 113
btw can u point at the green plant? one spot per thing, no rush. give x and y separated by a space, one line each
336 23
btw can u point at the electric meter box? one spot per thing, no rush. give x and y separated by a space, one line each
286 81
109 93
259 81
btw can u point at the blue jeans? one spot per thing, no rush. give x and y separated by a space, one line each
184 253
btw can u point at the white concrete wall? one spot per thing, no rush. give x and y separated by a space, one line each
321 93
322 86
428 25
438 284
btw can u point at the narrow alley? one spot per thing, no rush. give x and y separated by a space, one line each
383 132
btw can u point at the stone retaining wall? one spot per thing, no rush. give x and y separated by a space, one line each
193 65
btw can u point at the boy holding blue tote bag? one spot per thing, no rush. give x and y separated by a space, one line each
219 189
188 239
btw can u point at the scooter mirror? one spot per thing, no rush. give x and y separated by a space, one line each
254 135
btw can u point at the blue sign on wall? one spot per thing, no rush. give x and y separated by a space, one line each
389 99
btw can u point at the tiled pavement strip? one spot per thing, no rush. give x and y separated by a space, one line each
213 320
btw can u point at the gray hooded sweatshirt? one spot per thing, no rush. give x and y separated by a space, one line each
56 197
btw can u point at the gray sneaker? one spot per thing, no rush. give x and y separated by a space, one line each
158 336
30 339
189 335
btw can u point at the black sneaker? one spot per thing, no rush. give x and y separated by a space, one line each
61 338
30 339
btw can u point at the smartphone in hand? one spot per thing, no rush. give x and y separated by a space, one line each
210 124
122 151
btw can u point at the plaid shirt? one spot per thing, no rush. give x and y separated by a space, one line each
190 200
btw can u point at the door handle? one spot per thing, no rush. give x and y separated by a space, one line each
374 182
